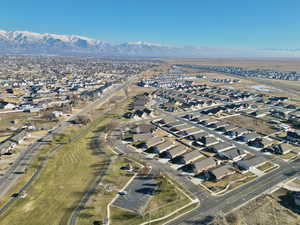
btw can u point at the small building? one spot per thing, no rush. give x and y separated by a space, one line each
282 149
261 143
203 165
227 128
220 147
208 141
174 152
152 142
250 137
188 157
158 149
234 154
293 136
142 137
251 163
219 125
296 196
197 136
221 172
144 128
237 132
6 147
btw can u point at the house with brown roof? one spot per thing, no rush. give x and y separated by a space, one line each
174 152
220 147
160 148
250 137
253 162
203 165
221 172
233 154
188 157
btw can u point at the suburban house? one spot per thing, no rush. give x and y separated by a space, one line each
251 163
158 149
152 142
293 136
220 147
237 132
282 149
144 128
208 141
192 131
296 196
261 143
250 137
19 137
219 125
221 172
6 147
234 154
188 157
174 152
203 165
142 137
227 128
174 124
197 136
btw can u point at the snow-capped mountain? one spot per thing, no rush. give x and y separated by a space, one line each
36 43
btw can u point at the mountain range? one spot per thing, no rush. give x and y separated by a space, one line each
25 42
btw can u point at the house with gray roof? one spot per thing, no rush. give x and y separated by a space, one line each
203 165
174 151
220 147
251 163
188 157
159 148
221 172
6 147
233 154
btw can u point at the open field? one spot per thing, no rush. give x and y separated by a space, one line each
251 123
276 208
262 63
70 171
113 181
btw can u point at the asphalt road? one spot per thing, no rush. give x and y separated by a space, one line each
9 178
211 205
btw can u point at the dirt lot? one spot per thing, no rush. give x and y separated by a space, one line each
276 64
274 209
251 123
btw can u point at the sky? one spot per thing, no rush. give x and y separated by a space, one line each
255 24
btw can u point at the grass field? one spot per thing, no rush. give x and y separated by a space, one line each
60 185
251 123
95 209
266 210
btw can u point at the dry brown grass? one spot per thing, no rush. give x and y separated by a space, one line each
251 123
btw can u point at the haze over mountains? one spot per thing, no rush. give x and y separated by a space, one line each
25 42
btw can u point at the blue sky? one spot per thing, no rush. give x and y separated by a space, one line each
221 23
